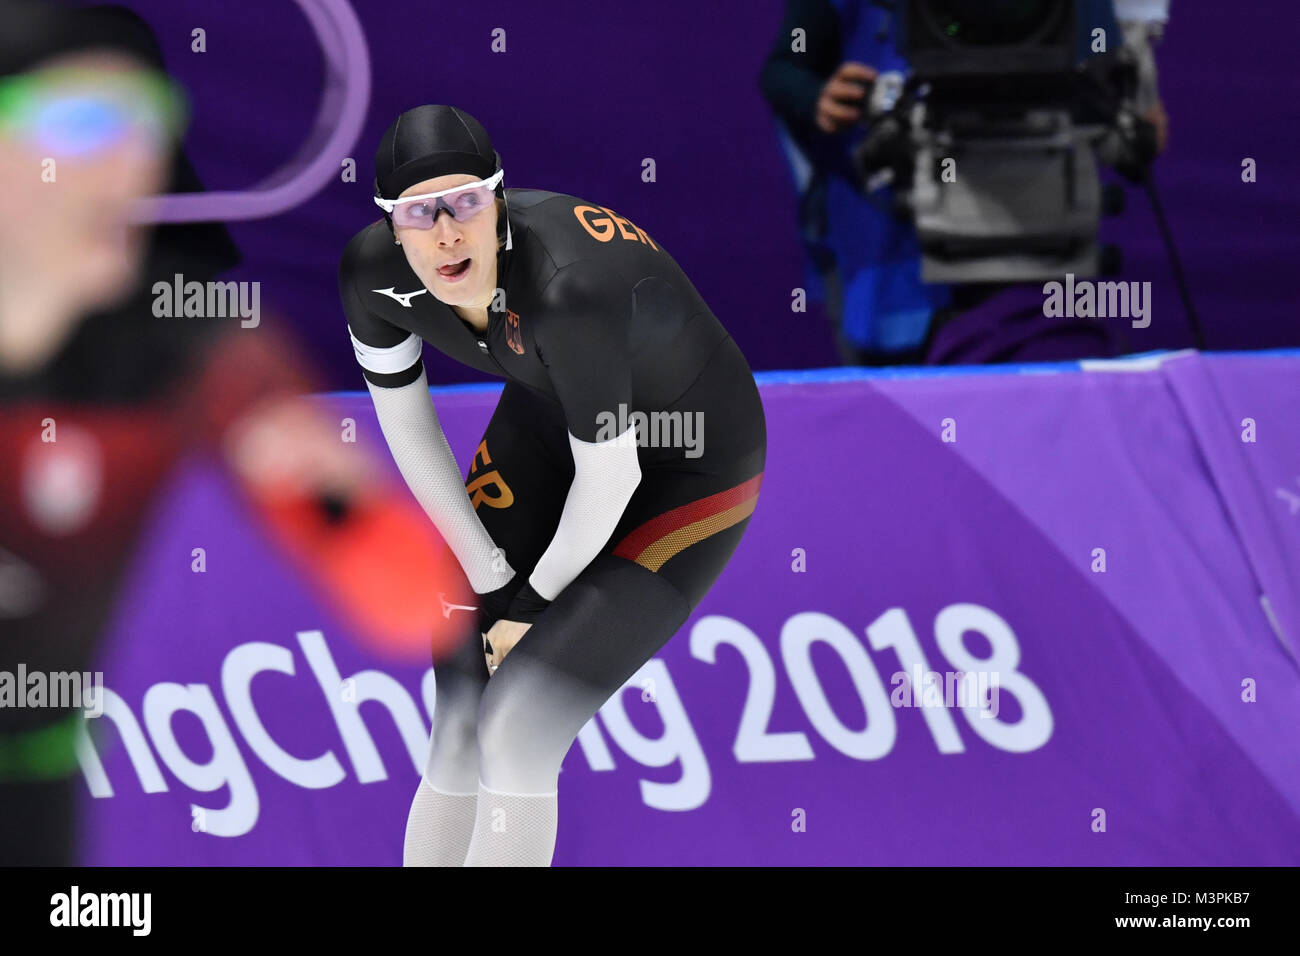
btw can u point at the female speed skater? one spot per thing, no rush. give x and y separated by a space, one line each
588 540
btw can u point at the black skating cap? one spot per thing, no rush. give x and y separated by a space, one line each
430 141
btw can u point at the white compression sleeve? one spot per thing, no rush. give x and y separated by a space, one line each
604 476
439 827
513 829
415 438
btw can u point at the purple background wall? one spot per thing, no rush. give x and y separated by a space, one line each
587 89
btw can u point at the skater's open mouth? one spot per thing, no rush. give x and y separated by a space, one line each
455 269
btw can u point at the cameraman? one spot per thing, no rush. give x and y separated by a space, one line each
1143 23
818 79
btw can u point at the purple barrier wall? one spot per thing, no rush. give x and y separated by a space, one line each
1097 539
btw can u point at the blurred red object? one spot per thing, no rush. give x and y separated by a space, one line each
382 565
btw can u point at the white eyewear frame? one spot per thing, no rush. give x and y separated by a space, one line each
387 205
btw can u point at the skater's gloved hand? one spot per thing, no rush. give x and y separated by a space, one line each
493 605
499 641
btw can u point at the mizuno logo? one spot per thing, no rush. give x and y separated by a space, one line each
402 297
448 607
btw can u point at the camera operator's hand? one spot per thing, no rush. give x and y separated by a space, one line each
1158 118
843 96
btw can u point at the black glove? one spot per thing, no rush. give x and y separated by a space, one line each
493 605
527 605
